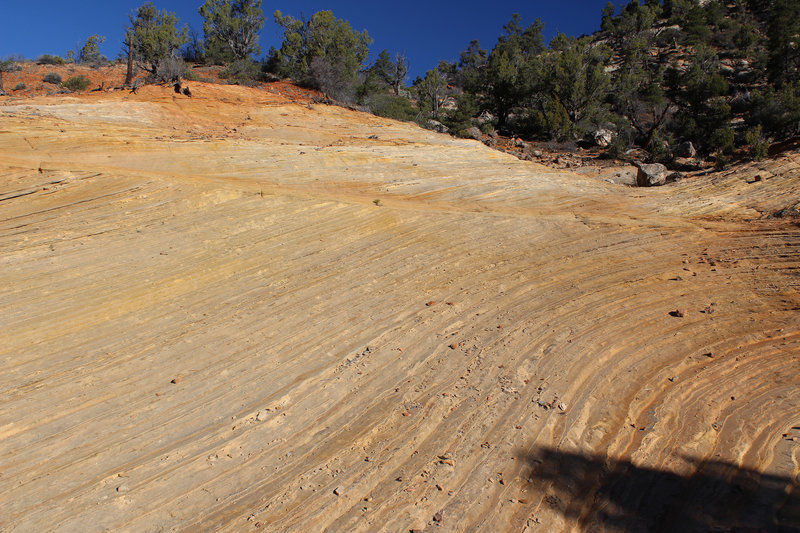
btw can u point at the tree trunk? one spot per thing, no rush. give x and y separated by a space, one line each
129 74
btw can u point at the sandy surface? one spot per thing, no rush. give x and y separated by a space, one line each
234 312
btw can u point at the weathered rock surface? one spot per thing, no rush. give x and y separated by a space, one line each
436 126
475 133
651 175
232 239
603 137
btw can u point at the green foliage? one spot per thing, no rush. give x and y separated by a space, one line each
390 72
659 150
756 142
511 67
233 25
783 30
777 110
607 18
722 138
47 59
459 120
90 51
431 92
721 161
52 77
573 88
391 106
76 83
154 37
20 86
242 70
383 68
216 52
692 17
471 68
633 19
324 36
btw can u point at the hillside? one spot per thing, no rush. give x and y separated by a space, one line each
239 311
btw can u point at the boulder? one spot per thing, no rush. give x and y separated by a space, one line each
519 143
484 117
436 126
603 137
687 164
651 175
474 133
685 149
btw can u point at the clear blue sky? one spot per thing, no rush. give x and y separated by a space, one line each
427 31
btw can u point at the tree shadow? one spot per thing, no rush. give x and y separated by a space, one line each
599 493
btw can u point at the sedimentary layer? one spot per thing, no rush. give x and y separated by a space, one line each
237 312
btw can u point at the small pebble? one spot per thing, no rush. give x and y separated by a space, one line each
176 380
338 490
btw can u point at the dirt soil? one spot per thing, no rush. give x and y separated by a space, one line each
238 311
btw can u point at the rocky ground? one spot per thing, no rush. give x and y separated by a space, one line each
240 311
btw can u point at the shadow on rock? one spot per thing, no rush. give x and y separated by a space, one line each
599 493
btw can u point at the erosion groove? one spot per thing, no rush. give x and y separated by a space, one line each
239 313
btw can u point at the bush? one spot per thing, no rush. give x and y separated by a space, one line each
390 106
778 111
170 70
76 83
757 143
241 71
20 87
48 59
659 150
52 77
722 140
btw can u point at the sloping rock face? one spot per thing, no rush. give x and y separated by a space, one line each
233 312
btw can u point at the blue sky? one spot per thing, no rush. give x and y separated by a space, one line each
427 31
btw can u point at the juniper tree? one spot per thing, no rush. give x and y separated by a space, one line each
89 53
153 37
326 37
234 24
